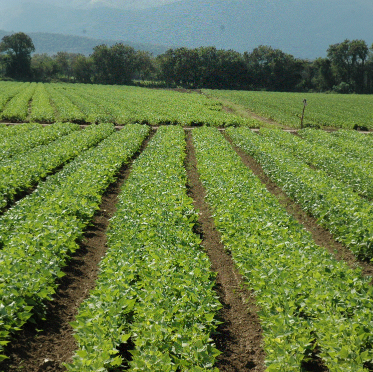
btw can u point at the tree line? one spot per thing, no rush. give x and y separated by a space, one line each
348 67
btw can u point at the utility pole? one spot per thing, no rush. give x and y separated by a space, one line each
304 107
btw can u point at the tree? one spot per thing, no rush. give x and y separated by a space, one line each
144 65
18 48
204 67
43 67
273 69
323 78
82 69
113 65
348 63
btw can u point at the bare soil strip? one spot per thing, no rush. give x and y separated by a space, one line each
321 236
48 344
239 337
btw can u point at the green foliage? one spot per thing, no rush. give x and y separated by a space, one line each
308 300
16 130
348 64
203 67
353 171
155 283
23 142
115 104
44 227
113 65
41 109
273 69
8 91
18 48
354 146
66 110
17 109
346 215
324 110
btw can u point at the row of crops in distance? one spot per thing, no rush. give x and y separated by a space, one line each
325 110
78 103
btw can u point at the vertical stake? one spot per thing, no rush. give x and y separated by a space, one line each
304 107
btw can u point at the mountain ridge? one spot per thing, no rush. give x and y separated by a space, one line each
303 28
52 43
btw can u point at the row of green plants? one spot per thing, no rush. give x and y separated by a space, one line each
357 148
155 288
311 305
16 129
133 104
65 109
123 105
118 104
24 171
10 146
9 90
41 109
325 110
95 110
17 108
335 206
46 227
353 172
351 135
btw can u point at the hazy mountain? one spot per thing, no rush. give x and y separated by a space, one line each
53 43
304 28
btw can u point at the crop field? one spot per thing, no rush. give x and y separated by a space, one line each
324 110
93 104
81 103
172 249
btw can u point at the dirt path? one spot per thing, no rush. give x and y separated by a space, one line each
321 236
35 351
239 338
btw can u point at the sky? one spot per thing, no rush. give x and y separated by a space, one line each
132 4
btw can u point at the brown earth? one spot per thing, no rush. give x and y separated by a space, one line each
239 337
44 346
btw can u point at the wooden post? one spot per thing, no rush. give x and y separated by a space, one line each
304 107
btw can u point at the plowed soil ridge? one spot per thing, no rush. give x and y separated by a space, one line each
321 236
239 337
48 344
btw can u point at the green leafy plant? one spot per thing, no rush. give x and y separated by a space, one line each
43 229
155 285
309 302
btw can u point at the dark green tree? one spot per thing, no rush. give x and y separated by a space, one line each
113 65
273 69
64 62
231 72
144 65
204 67
82 69
18 48
323 77
43 67
348 63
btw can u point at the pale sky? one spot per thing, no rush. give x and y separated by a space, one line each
132 4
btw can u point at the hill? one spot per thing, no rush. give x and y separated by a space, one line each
304 28
52 43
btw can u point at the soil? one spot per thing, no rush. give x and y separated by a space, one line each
49 343
321 236
239 337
